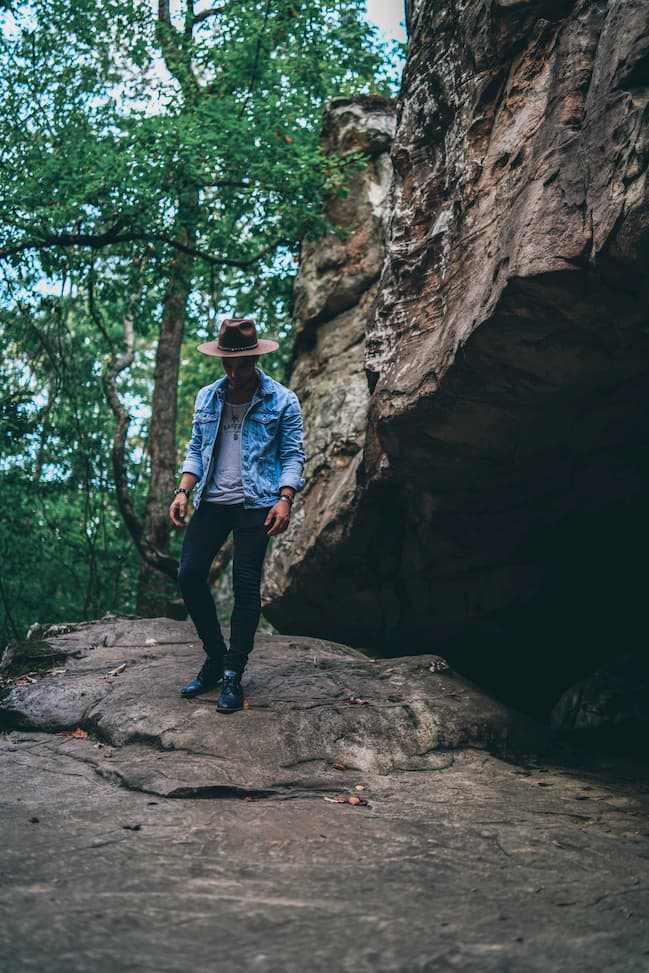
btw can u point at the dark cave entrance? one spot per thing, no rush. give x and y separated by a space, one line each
524 482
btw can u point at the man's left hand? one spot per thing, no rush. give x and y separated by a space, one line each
278 518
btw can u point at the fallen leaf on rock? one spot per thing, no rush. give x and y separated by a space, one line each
360 787
56 672
340 766
117 670
344 799
246 704
26 681
358 700
73 733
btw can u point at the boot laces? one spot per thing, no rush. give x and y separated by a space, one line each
231 683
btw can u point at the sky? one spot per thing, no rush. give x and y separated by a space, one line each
389 15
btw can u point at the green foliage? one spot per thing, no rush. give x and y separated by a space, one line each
64 549
125 137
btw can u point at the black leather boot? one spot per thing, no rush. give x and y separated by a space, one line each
231 698
208 678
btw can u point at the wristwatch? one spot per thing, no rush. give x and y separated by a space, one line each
182 490
285 496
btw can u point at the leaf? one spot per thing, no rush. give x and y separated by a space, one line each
78 733
345 799
117 670
340 766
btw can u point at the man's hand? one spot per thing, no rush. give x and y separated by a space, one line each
178 510
278 518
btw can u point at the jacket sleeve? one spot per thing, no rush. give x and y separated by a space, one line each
291 450
193 462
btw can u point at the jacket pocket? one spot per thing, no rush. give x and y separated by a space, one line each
264 424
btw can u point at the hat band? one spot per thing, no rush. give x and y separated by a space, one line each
239 347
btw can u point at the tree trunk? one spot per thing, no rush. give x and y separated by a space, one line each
155 588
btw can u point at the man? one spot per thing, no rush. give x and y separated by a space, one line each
246 454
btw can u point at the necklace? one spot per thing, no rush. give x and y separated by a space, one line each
237 419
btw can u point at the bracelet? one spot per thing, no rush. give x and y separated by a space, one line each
182 490
289 500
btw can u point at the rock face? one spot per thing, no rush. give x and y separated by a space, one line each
499 498
334 292
612 704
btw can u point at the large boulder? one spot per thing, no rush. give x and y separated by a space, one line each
313 710
497 510
334 292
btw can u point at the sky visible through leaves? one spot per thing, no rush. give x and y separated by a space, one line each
100 141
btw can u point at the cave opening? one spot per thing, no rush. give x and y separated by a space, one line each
525 481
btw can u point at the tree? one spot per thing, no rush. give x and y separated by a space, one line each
64 551
156 163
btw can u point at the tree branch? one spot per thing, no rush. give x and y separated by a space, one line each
98 241
176 49
158 559
221 561
204 14
111 371
164 15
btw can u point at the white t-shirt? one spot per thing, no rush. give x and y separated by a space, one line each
225 484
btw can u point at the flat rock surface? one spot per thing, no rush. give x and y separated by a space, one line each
172 838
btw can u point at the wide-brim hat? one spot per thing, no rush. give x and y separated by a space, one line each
237 338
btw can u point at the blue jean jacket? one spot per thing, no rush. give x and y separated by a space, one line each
272 451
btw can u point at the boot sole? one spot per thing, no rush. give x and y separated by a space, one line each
229 709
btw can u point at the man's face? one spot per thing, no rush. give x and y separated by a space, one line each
240 371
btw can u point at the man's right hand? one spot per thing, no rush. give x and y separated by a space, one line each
178 510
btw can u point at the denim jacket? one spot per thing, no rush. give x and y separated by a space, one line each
272 451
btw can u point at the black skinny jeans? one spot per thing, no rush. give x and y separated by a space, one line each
208 528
